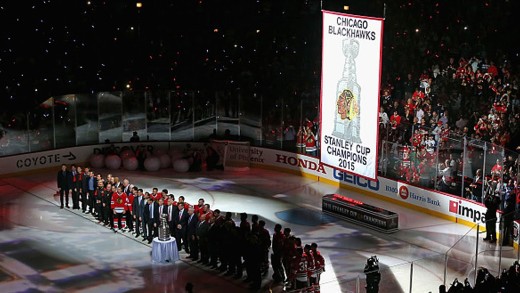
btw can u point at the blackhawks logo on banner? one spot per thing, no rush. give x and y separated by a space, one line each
347 105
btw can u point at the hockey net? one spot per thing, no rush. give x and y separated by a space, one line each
234 155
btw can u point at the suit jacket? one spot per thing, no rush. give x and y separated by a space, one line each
202 230
86 179
105 197
155 217
162 210
191 227
138 206
146 211
84 182
70 182
63 180
78 181
174 214
182 219
127 189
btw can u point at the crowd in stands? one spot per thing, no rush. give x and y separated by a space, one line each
424 145
208 236
449 101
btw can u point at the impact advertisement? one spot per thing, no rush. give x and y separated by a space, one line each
351 71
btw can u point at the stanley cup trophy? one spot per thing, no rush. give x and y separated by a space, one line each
164 230
346 122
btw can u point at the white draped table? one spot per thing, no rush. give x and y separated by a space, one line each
164 251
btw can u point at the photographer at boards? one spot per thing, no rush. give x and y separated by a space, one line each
492 203
373 275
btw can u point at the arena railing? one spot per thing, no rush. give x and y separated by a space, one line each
86 119
466 168
266 121
441 265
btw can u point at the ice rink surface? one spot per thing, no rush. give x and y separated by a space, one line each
47 249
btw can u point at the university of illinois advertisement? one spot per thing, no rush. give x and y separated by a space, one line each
351 70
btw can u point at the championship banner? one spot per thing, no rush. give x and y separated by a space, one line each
351 73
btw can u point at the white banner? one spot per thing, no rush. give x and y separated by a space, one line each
235 154
351 71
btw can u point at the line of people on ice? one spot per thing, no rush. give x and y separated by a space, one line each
209 237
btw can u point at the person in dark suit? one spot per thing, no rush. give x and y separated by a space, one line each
153 220
171 213
106 205
191 234
162 209
181 222
492 203
95 206
63 185
77 191
146 215
214 239
137 210
202 237
102 199
88 186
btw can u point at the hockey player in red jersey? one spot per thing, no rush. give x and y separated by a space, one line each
129 202
319 266
311 267
299 271
119 205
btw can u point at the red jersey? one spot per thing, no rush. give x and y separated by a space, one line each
410 106
500 108
319 262
310 143
198 209
155 197
119 202
299 267
492 70
311 266
130 201
496 168
174 203
395 120
445 133
416 139
202 215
